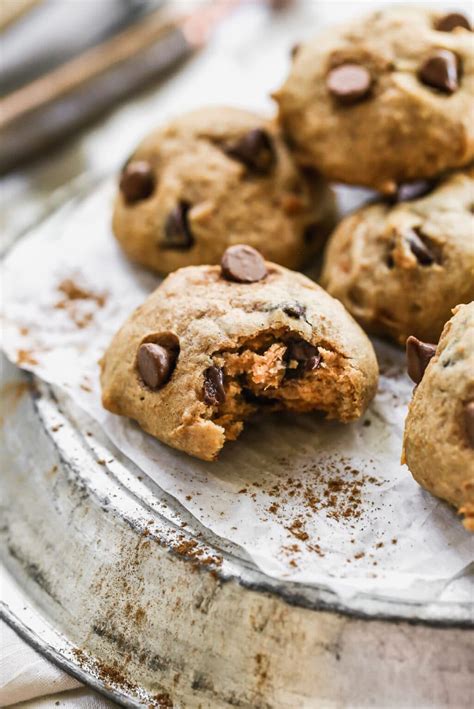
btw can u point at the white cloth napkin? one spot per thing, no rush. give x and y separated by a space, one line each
28 680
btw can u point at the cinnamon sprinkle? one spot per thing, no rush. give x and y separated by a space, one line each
74 292
334 489
75 298
25 357
190 549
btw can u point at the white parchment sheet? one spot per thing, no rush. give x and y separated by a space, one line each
310 501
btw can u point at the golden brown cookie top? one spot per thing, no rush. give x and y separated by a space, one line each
383 99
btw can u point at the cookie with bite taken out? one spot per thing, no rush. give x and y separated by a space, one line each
215 344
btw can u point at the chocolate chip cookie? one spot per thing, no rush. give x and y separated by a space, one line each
215 344
400 266
213 178
439 430
385 99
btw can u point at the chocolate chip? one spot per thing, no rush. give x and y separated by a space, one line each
295 49
155 364
294 310
311 232
137 181
177 233
213 388
413 190
305 354
255 150
449 22
440 71
349 83
418 247
243 264
469 422
419 355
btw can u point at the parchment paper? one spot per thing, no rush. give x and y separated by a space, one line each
310 501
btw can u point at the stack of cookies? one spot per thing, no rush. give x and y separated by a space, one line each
386 102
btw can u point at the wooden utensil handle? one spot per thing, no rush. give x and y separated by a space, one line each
83 69
38 116
13 10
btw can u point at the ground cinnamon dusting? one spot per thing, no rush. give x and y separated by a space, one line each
76 297
112 675
261 670
333 488
25 357
74 292
297 530
191 549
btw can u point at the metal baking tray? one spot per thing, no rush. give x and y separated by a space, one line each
115 582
